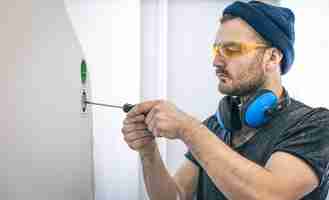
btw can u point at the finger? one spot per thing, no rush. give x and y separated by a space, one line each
152 126
131 137
133 127
142 108
138 118
151 115
138 144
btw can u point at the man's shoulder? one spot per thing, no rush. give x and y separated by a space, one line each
300 119
318 116
308 138
306 124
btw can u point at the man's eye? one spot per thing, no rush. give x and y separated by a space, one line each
233 48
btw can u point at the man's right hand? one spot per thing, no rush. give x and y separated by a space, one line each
137 136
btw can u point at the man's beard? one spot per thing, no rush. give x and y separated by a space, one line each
249 82
245 88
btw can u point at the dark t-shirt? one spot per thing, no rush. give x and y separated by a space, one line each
299 130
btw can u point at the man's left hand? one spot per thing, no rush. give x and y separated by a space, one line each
164 119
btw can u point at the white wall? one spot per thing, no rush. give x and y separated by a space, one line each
308 78
45 144
109 32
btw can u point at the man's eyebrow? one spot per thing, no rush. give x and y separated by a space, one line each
226 42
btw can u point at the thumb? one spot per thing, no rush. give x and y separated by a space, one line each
142 108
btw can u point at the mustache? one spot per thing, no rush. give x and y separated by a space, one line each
221 69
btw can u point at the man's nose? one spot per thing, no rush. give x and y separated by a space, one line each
218 60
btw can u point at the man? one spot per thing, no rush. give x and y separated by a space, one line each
246 150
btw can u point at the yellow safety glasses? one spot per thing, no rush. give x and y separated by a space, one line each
235 49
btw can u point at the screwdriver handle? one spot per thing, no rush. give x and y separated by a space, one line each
127 107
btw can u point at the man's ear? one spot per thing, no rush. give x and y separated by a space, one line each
274 59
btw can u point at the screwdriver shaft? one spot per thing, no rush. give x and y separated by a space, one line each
101 104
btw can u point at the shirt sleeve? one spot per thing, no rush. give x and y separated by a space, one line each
309 142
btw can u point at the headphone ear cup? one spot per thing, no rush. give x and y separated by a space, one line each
254 112
229 113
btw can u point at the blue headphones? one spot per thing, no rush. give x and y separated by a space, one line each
257 111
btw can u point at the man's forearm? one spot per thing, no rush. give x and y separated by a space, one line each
236 176
159 184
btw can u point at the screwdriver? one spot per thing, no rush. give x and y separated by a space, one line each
126 107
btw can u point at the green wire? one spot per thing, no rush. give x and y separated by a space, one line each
83 71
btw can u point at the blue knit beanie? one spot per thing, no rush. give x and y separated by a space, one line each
275 24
